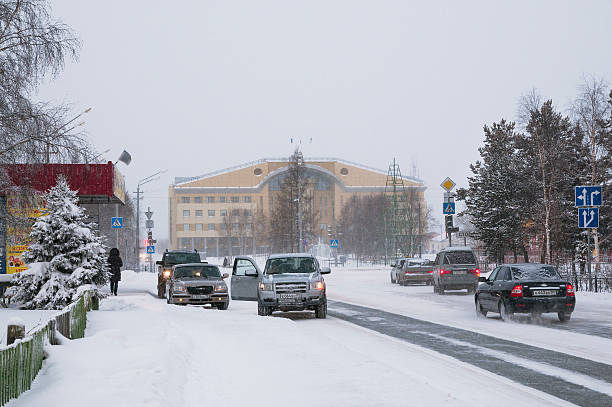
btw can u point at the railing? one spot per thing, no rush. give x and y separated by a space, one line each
21 361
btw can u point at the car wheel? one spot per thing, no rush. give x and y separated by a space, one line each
169 298
161 291
222 305
392 280
480 312
504 312
563 317
263 311
321 310
441 290
435 287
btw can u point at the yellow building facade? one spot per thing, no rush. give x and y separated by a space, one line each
199 207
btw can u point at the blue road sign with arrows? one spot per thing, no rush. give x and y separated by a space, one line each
588 218
116 223
587 195
334 243
448 208
150 249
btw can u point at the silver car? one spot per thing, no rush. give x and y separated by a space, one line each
455 268
198 284
289 282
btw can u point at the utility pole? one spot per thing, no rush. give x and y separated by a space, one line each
300 161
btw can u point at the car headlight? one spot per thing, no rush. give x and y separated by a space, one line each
179 288
317 285
265 286
167 273
221 288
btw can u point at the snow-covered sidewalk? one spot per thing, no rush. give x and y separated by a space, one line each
139 351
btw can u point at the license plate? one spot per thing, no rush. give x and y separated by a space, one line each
199 297
459 272
288 297
544 292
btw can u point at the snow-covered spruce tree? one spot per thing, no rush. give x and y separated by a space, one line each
64 240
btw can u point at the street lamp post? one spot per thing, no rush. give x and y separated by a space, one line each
48 149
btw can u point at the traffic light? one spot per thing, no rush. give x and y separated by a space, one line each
146 242
448 221
329 230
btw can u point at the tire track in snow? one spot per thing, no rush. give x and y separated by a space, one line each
577 380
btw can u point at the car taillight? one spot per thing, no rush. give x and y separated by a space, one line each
442 271
430 271
475 271
517 291
570 291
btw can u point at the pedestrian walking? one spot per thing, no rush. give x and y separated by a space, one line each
115 264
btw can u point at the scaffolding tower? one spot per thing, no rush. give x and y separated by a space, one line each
396 214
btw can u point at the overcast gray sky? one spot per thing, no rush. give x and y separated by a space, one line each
195 86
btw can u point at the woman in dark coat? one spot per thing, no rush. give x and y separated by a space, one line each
115 264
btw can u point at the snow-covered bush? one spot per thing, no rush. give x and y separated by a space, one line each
65 254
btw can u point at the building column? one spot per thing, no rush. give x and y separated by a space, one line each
217 246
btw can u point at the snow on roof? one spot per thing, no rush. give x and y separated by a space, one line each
183 180
283 255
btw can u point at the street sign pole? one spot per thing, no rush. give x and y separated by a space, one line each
589 256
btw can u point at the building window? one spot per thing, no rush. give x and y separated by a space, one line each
249 226
235 212
186 213
235 199
199 227
199 212
210 199
236 227
186 227
222 199
261 201
197 199
211 226
185 199
223 226
258 171
247 199
248 212
344 171
211 212
185 243
223 212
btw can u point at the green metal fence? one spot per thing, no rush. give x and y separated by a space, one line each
21 361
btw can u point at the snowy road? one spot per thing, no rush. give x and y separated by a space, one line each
139 351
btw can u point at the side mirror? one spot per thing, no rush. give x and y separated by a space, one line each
325 270
482 279
224 276
159 262
251 273
393 265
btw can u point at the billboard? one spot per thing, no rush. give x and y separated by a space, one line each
17 237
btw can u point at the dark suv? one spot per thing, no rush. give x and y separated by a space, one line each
169 259
455 268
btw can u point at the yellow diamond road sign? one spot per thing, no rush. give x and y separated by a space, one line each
448 184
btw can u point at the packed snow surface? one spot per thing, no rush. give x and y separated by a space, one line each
140 351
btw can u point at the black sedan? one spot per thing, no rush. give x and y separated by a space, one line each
525 288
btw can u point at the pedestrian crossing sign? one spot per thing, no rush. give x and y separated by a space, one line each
116 223
448 208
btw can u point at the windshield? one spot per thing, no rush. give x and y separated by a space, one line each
286 265
197 272
534 272
182 258
463 257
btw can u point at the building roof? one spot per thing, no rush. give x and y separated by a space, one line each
178 181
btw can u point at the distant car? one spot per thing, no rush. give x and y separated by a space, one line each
198 284
455 268
416 271
289 282
525 288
